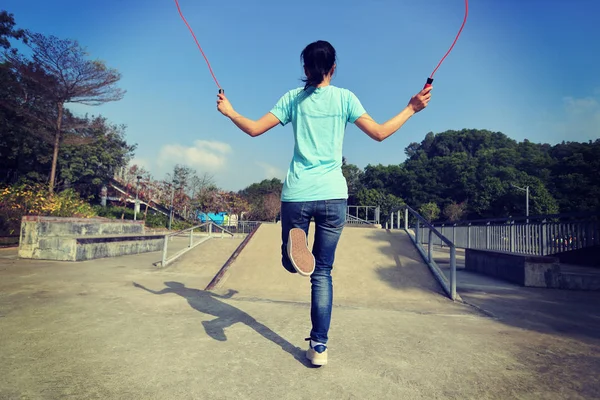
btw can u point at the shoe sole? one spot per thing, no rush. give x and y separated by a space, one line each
302 259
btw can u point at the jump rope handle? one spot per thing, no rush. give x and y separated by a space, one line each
429 82
221 91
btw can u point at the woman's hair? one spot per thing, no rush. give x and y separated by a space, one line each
319 58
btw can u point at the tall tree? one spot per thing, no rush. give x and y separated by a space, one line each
353 176
61 68
199 183
87 167
7 29
22 154
255 193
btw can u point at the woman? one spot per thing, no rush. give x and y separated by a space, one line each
315 186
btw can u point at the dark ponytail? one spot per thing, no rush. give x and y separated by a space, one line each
319 58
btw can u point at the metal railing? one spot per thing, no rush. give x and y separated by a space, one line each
352 220
369 214
551 234
394 219
242 227
204 232
449 285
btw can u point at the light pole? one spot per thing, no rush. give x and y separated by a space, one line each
526 190
137 201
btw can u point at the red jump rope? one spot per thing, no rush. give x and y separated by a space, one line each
200 47
430 79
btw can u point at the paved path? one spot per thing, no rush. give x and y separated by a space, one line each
569 313
121 329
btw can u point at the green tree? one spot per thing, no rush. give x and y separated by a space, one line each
63 74
430 211
387 203
7 29
23 141
470 173
354 177
263 198
86 167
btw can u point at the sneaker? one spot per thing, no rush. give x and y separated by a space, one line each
301 257
318 354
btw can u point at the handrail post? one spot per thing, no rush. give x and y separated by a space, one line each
406 219
513 236
430 246
454 233
191 235
164 251
469 236
544 238
417 233
453 272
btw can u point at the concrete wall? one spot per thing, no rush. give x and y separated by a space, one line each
48 248
524 270
59 226
89 249
57 238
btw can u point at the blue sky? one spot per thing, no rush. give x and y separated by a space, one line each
527 68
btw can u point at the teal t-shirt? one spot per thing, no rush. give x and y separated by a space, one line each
319 117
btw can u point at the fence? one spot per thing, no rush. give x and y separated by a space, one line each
369 214
352 220
242 227
551 234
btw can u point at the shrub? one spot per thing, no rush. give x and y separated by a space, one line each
34 199
177 225
114 212
430 211
156 220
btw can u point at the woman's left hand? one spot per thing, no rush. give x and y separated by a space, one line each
224 106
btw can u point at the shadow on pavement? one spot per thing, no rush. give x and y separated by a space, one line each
409 271
567 313
227 315
551 311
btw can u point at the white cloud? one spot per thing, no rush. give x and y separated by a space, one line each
581 106
141 162
579 119
270 171
204 155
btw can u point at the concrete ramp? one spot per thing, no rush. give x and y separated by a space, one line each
373 268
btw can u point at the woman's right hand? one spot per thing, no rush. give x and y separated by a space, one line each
224 106
420 100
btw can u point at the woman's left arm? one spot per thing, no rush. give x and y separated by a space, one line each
252 128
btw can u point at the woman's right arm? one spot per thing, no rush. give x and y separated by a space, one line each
381 132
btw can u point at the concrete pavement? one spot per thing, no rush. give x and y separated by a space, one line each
122 329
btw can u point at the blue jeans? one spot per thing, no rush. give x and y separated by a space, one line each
330 218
